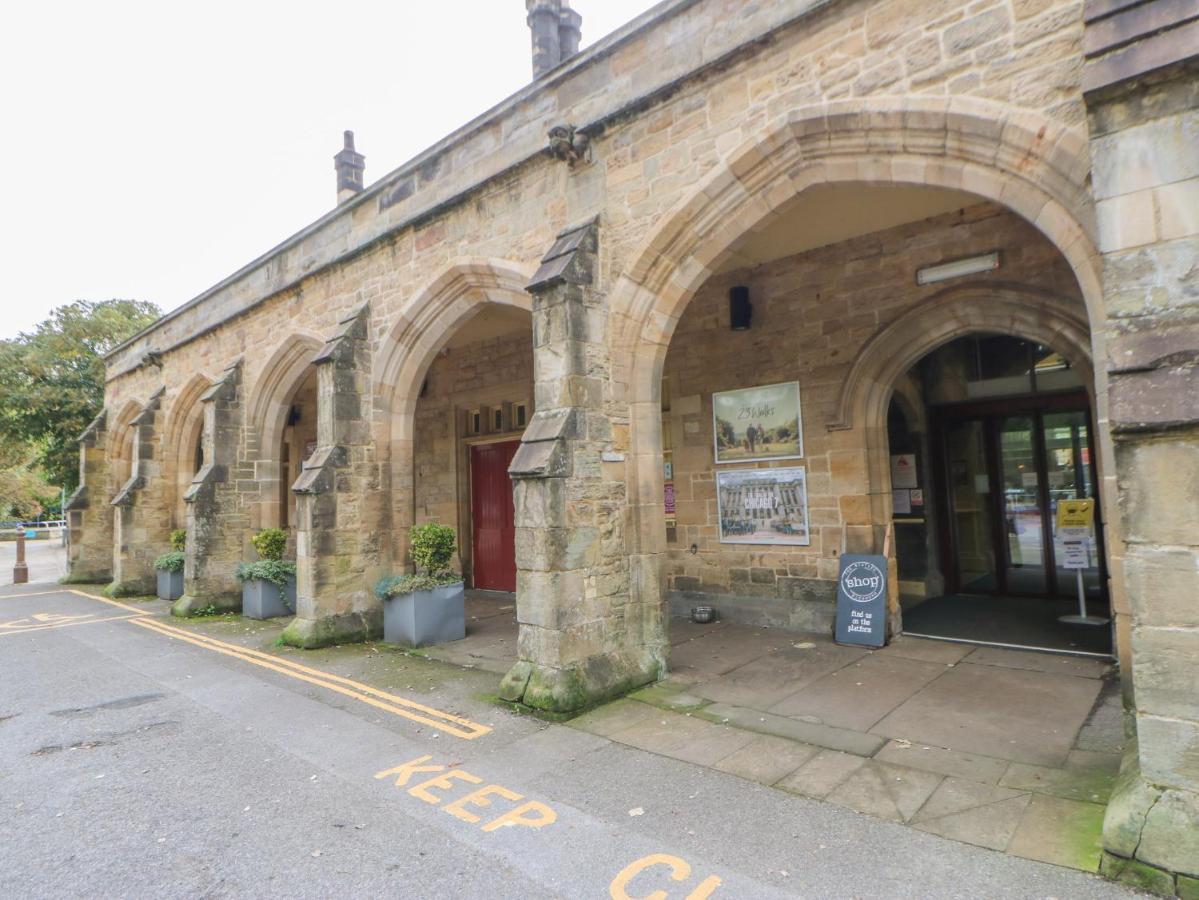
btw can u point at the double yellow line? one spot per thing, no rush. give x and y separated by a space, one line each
356 690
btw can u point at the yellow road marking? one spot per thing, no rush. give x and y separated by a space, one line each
116 603
37 594
679 870
409 709
25 629
417 712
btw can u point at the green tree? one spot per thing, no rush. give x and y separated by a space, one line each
52 380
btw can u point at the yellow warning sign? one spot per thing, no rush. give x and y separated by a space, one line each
1075 513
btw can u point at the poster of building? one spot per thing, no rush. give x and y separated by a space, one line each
763 506
759 423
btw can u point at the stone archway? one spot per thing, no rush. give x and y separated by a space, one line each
270 399
120 448
429 319
1016 310
183 432
1025 163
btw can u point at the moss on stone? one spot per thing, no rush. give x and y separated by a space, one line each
190 606
1137 875
1188 887
312 634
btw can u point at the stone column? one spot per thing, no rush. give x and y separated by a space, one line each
340 509
89 518
582 636
1143 106
218 518
142 518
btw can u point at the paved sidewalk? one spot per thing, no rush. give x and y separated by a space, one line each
1011 750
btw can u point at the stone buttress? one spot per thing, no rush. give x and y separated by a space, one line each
89 547
340 502
142 517
583 637
217 516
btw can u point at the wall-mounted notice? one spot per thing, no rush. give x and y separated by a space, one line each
758 423
763 506
904 473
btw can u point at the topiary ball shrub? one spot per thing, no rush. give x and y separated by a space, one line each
178 540
270 543
432 548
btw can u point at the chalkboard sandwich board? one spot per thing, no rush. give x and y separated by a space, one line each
862 600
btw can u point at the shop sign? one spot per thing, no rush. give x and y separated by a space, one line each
862 600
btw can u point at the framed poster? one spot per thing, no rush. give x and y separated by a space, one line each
759 423
763 506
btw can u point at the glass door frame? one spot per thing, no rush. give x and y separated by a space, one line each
991 413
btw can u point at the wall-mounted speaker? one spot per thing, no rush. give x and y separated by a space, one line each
741 311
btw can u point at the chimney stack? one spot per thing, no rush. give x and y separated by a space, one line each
350 166
556 31
570 31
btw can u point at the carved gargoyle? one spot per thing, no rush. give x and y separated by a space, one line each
568 144
150 358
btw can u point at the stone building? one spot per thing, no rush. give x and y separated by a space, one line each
969 233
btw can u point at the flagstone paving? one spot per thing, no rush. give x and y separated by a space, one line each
1007 750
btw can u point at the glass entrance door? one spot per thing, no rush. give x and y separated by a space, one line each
1007 467
1023 544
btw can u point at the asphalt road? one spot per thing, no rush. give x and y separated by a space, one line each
139 759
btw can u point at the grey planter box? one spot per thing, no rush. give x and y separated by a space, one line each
170 585
262 599
426 617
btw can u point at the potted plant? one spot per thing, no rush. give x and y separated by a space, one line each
269 585
170 568
428 607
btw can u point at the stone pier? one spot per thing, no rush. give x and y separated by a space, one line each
217 519
1144 123
141 517
582 636
339 501
89 518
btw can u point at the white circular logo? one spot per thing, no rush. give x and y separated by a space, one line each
862 581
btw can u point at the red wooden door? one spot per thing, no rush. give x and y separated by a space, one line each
493 516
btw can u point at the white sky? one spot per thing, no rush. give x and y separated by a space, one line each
152 148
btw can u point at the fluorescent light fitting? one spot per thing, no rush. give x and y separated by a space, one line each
958 268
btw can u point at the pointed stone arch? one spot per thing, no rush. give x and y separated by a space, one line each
277 380
425 323
1010 309
270 399
185 423
120 446
1038 169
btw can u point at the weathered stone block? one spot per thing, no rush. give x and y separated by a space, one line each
1166 670
1170 838
1169 751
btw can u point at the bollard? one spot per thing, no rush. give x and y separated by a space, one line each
20 572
